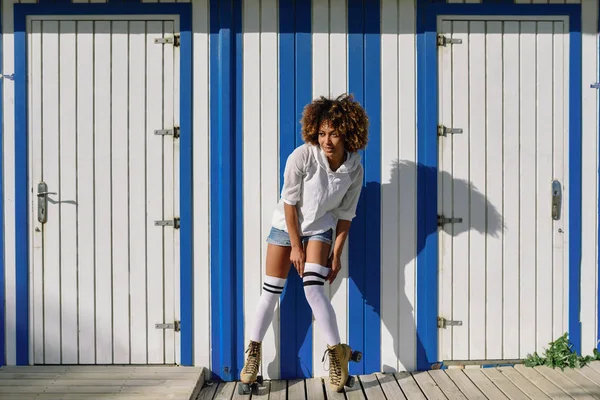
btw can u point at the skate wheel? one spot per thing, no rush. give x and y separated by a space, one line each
350 381
259 379
356 356
244 388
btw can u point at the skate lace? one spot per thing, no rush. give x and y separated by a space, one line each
253 356
334 365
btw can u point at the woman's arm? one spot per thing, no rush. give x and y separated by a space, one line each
342 229
297 256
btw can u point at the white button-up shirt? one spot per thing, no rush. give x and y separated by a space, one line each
322 196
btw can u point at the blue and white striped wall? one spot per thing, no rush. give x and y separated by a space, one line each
256 63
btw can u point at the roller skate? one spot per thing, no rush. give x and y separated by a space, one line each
249 376
339 356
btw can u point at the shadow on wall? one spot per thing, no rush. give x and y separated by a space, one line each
402 322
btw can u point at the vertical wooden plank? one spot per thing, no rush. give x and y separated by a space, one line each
559 285
589 177
8 166
321 86
103 191
253 269
36 126
477 190
495 184
390 270
50 175
527 190
510 125
338 84
68 191
407 177
201 181
169 193
269 163
154 192
544 161
120 184
85 191
137 192
445 189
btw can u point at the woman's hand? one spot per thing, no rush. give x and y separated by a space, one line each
297 257
335 263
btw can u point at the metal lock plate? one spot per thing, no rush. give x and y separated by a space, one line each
556 199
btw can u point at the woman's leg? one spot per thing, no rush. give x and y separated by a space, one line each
315 275
277 269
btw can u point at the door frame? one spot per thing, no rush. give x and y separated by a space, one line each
427 158
182 11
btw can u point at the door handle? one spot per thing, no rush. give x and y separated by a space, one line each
42 195
556 199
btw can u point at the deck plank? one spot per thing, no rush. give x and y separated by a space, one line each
484 384
505 385
314 389
356 391
564 383
371 387
390 386
208 391
523 384
332 394
590 373
237 395
466 386
446 384
296 390
409 386
583 382
540 381
278 390
225 391
428 386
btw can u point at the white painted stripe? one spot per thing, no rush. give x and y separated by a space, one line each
68 191
390 112
510 49
120 215
85 188
322 53
527 187
253 237
338 78
407 346
589 211
201 185
8 128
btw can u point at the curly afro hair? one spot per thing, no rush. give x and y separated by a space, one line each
344 114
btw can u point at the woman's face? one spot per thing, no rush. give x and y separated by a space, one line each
331 141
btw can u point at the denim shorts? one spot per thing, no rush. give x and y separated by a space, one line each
282 238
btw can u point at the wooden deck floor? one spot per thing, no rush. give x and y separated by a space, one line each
515 383
99 382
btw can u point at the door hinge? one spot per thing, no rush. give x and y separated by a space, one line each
175 326
173 132
168 222
595 85
442 323
443 131
444 41
441 220
174 40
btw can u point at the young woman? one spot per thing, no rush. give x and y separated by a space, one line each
322 183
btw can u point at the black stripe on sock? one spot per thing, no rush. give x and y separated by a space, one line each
312 283
271 291
314 274
273 286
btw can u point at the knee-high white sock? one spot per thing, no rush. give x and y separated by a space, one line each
314 279
272 289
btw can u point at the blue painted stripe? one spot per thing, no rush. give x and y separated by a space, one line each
427 104
226 190
184 11
364 270
295 91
